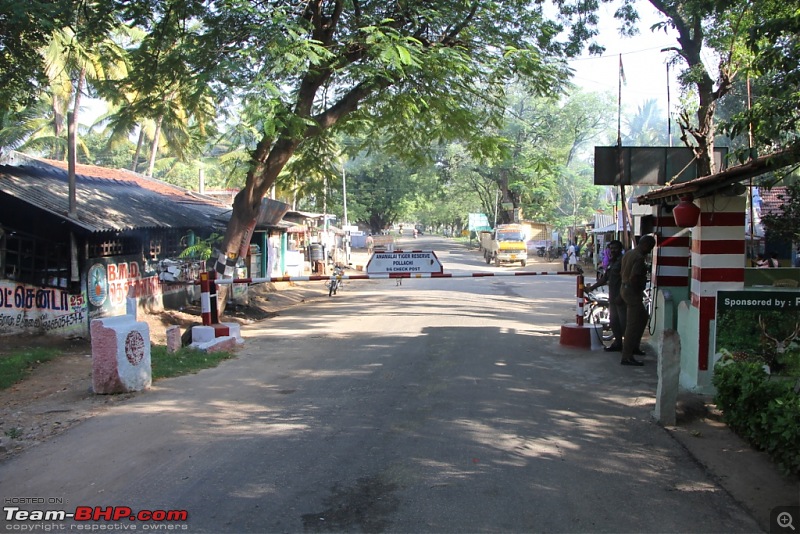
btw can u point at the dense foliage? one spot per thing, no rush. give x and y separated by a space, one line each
256 95
763 410
744 338
785 225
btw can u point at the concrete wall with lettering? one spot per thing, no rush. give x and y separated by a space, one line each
110 280
26 309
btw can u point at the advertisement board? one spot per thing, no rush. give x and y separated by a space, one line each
759 325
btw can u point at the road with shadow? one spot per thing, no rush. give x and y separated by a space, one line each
439 405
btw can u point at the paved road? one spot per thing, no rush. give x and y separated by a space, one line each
434 406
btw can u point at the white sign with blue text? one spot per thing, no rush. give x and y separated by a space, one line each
413 262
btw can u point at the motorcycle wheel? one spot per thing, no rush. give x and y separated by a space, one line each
599 315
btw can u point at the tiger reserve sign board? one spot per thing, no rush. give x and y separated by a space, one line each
412 262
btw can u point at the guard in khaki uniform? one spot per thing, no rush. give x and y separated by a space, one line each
634 282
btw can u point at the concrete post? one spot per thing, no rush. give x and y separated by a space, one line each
669 370
120 355
173 339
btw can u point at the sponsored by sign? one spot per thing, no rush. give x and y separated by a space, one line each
759 325
414 262
759 300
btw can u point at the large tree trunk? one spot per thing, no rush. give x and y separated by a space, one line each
272 153
700 137
266 163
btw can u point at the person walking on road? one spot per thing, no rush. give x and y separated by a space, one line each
616 306
573 258
634 282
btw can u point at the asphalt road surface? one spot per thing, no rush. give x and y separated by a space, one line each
431 406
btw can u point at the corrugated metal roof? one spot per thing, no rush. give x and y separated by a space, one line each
108 199
712 185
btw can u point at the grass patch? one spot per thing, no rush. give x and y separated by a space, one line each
17 365
183 362
14 433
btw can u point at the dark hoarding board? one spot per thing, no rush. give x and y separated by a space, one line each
648 165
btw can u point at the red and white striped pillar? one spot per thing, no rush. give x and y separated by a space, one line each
208 298
718 261
205 299
212 294
671 256
670 271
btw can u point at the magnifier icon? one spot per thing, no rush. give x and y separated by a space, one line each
785 520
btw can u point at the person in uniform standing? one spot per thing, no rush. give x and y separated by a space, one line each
634 282
616 306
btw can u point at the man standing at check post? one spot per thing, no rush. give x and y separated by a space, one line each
617 309
634 282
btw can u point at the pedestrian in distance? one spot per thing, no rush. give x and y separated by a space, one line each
634 282
565 259
572 257
370 244
617 309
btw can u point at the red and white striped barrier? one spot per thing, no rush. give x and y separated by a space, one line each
384 276
575 335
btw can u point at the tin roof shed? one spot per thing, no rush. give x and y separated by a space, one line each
107 199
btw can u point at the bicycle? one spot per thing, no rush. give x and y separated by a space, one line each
335 282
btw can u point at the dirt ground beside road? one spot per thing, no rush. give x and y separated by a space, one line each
58 394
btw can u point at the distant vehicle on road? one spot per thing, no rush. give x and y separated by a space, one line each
506 244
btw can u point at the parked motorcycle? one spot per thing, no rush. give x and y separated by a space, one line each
595 311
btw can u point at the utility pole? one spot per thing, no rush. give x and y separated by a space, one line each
344 193
345 223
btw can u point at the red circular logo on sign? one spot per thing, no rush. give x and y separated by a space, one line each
134 347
